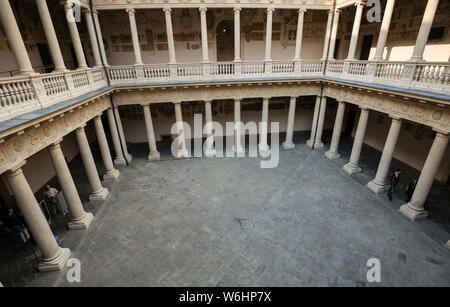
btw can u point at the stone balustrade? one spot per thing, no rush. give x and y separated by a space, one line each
19 95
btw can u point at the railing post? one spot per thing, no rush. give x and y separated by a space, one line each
90 78
140 76
346 69
267 67
297 67
238 68
38 89
173 71
408 72
371 71
206 69
69 81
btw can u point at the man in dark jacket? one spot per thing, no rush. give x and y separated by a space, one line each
393 183
410 190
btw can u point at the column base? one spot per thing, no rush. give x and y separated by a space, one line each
120 161
83 223
238 150
377 188
56 264
183 153
210 153
154 156
317 145
448 244
263 147
352 169
128 157
288 145
412 213
112 175
101 195
332 155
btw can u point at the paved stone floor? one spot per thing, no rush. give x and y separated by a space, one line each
227 222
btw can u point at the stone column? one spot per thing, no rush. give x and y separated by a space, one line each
333 153
352 167
310 142
448 244
169 31
334 33
378 185
92 38
154 154
80 219
327 35
182 150
120 159
204 31
318 120
100 37
135 37
382 38
289 144
75 35
237 147
14 38
269 34
122 135
50 35
98 191
355 32
263 126
209 150
237 34
299 36
424 31
54 257
111 172
414 209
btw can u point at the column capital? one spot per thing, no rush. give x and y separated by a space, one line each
266 98
337 11
208 101
237 9
95 11
302 10
167 10
130 11
270 10
441 133
176 102
55 143
360 3
202 9
395 117
330 12
80 129
237 99
67 4
16 169
146 104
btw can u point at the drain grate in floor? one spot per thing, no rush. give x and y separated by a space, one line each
246 224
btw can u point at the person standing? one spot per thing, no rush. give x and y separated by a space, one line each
410 190
393 183
51 194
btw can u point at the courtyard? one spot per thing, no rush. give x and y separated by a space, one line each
227 222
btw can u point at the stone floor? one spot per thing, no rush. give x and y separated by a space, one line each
227 222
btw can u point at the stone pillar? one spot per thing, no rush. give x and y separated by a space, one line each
333 153
111 172
50 35
299 36
14 38
318 120
382 38
154 154
355 32
79 218
263 126
237 147
204 33
352 167
269 34
135 37
334 34
120 159
100 37
237 34
169 31
327 35
75 35
414 209
182 150
209 150
378 185
424 31
98 191
122 135
289 144
448 244
54 257
92 38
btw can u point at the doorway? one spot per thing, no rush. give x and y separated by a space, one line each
365 49
225 41
46 59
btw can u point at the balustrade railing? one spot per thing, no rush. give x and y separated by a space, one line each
22 94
